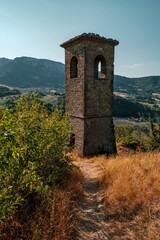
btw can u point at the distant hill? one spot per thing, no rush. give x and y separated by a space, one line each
141 85
5 91
4 61
26 72
128 109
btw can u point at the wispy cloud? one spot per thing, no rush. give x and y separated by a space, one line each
136 65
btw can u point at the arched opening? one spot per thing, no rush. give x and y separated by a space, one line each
100 67
72 140
74 67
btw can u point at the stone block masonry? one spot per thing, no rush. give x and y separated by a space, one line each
89 72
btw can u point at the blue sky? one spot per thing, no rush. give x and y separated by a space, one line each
36 28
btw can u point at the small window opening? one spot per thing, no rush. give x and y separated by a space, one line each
100 67
74 67
72 140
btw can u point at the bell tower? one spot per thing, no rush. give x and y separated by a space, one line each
89 74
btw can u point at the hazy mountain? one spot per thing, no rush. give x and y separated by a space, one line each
4 61
26 72
137 85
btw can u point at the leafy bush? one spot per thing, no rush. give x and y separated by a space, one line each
146 138
33 144
131 136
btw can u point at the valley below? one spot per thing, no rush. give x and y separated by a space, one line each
48 191
136 98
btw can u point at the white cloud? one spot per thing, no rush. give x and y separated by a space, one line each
136 65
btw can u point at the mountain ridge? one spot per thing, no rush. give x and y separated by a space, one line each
149 84
28 72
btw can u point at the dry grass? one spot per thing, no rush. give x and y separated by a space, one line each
51 218
131 183
132 194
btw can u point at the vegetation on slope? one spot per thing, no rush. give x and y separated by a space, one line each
141 85
144 138
125 108
39 187
128 109
5 91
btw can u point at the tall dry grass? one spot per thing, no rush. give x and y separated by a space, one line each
132 182
132 194
53 218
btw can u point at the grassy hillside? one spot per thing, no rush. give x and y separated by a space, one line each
135 85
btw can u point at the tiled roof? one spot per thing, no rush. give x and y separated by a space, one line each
91 36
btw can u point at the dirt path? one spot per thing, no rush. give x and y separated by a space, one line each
91 214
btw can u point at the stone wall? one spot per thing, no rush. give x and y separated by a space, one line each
89 99
75 86
99 136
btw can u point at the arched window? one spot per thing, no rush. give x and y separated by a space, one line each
100 67
74 67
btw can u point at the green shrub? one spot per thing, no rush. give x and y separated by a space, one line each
33 143
146 138
131 136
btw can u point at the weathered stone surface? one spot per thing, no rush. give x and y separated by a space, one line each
89 97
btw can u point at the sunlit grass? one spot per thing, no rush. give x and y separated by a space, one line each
131 183
132 194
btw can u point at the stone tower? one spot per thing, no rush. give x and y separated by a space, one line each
89 73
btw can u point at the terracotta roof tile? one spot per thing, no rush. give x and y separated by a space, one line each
89 36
